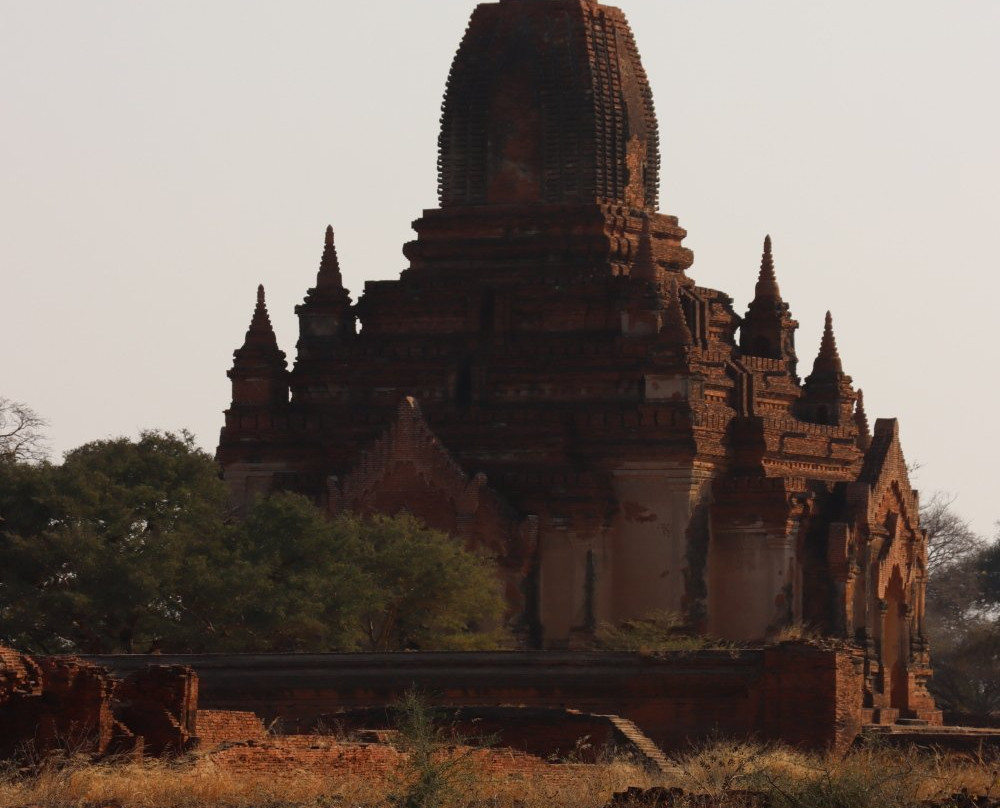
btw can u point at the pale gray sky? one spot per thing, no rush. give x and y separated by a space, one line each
158 160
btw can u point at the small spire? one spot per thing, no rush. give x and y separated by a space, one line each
861 421
329 265
261 361
767 281
260 332
675 329
828 359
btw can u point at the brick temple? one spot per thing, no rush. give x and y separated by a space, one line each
547 381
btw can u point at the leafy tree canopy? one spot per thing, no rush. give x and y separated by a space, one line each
97 568
127 546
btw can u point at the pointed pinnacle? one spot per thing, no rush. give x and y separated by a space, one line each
767 281
828 359
260 331
329 265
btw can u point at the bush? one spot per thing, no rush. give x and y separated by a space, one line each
439 767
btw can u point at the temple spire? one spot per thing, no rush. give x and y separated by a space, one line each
828 359
829 394
261 333
260 372
768 329
329 266
767 281
325 316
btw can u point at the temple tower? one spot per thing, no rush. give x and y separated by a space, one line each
547 382
548 103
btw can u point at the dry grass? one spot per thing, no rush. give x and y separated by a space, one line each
867 778
155 784
572 786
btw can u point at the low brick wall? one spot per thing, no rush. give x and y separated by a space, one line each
802 694
812 697
297 755
216 727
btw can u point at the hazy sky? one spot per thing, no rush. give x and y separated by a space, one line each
159 160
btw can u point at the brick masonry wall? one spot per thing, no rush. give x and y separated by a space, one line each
215 727
812 696
801 694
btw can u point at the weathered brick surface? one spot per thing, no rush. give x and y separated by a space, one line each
73 709
291 754
50 703
159 703
216 727
812 695
19 675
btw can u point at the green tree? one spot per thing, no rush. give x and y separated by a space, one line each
297 585
424 590
126 546
301 582
101 573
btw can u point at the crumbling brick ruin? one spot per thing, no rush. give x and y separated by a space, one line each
548 382
66 703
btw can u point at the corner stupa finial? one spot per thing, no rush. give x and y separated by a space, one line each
329 265
260 334
260 325
828 359
767 281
